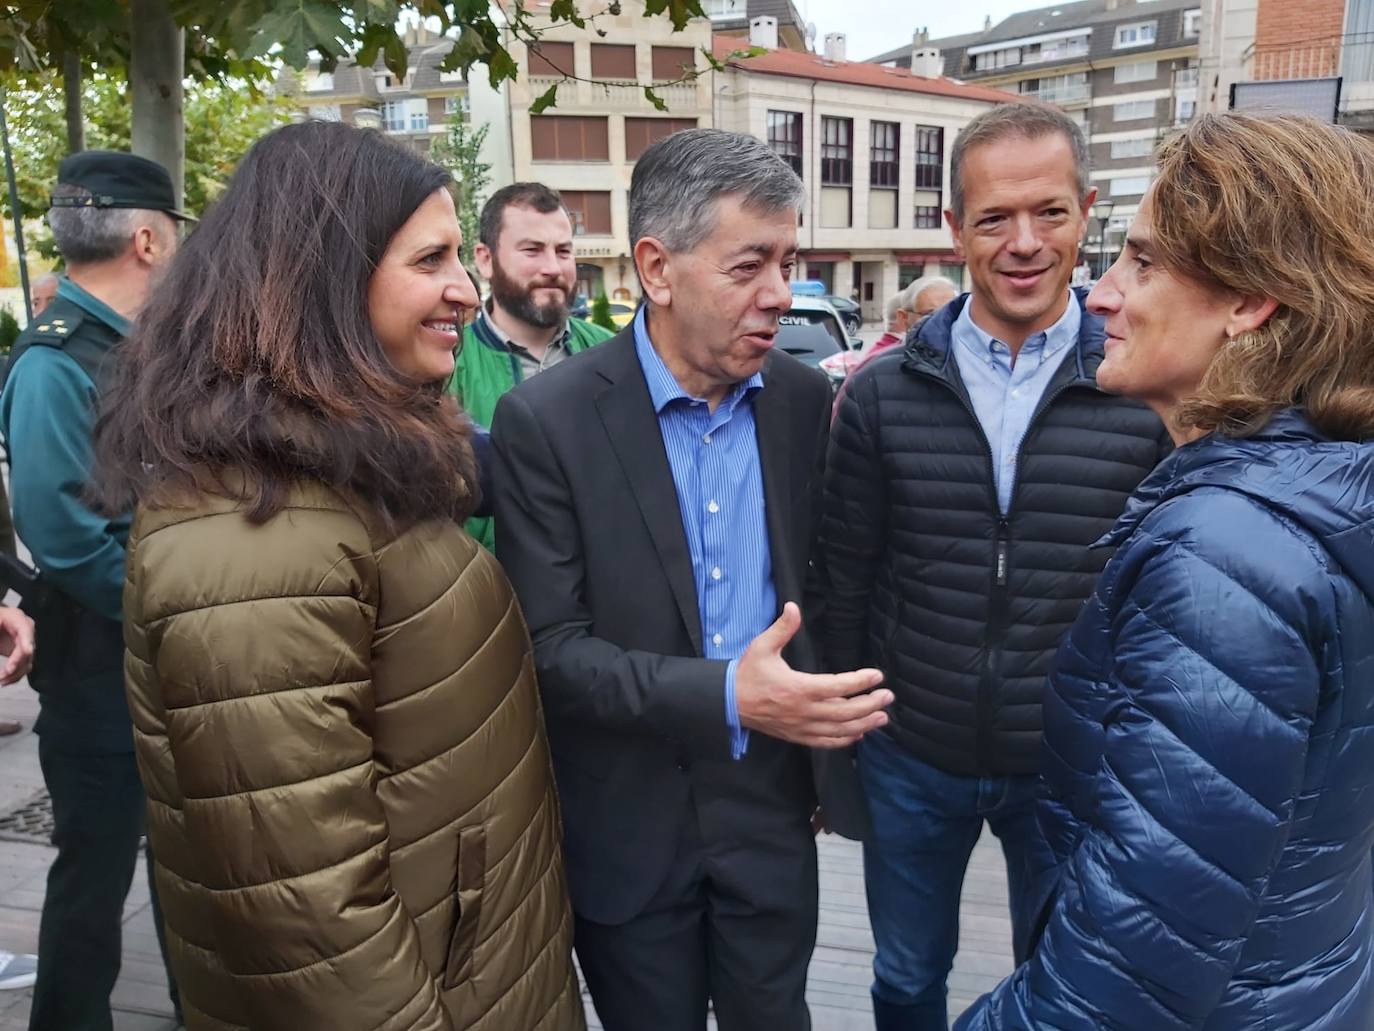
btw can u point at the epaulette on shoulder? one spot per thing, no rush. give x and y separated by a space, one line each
55 325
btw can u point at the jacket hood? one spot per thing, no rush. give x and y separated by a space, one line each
1324 485
928 344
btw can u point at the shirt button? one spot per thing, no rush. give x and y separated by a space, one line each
706 439
717 640
715 573
1015 394
713 508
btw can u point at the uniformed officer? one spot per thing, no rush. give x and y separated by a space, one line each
115 223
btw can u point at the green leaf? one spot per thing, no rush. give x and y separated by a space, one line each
566 10
500 67
654 99
546 100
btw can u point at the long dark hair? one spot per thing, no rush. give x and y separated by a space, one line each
254 363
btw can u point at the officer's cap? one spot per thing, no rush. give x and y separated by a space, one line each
117 180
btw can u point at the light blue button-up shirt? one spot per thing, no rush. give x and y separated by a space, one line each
1004 395
714 457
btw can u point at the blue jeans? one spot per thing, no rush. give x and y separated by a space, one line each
925 824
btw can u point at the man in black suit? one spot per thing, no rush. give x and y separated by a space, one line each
654 507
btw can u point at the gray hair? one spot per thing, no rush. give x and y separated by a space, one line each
1026 121
677 179
85 235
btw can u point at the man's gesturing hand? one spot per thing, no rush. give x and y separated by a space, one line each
812 709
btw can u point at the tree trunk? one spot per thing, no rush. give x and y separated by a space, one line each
71 89
157 59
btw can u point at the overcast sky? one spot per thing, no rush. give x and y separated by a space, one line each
874 27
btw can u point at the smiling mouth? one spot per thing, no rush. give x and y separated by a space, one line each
1024 275
441 326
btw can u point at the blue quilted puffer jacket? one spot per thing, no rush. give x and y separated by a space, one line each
1209 756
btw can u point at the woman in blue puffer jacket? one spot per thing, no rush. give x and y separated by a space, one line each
1209 725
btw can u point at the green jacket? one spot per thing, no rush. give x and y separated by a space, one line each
47 414
485 369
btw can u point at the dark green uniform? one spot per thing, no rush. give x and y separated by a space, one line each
47 413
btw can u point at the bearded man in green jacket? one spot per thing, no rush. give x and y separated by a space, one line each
525 251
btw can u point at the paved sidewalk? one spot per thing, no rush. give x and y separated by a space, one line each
840 969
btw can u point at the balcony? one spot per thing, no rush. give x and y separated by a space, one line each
1061 94
617 98
1349 56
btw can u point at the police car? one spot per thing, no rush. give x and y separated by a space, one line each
812 332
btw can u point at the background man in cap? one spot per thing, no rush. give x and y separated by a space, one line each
114 222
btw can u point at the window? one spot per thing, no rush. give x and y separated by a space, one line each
724 9
394 115
640 132
1131 148
1057 89
930 158
882 209
454 76
613 61
1138 34
1184 108
568 138
552 59
418 110
1139 71
1057 50
1130 186
882 155
1186 78
837 154
323 82
927 209
1192 23
1133 111
785 137
590 211
455 102
673 62
997 59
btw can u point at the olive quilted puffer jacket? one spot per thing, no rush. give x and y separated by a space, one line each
351 801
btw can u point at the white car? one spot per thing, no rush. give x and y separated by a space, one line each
812 332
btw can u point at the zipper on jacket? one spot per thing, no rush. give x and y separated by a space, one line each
1001 554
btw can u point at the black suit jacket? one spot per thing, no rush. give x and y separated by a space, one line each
589 530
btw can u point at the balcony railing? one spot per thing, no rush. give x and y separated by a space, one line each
680 97
1060 94
1351 56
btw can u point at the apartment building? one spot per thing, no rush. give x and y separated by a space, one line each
1126 72
872 146
733 18
1282 41
414 108
586 145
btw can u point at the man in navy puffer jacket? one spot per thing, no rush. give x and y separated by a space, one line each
1209 733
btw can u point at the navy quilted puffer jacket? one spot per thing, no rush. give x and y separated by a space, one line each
1209 756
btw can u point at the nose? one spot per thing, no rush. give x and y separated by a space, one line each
1105 297
775 292
1024 240
460 292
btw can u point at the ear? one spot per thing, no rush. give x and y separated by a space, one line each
953 224
147 245
652 259
1084 210
481 257
1250 312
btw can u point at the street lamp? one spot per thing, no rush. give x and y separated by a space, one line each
1102 211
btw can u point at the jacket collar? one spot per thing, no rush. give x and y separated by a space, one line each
929 347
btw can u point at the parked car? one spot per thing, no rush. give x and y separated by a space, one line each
621 314
813 333
849 311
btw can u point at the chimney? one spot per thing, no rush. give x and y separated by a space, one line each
410 35
987 23
921 36
763 32
834 46
927 62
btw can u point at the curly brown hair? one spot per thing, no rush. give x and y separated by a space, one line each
1277 207
254 363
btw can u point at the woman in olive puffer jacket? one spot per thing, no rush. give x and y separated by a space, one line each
351 801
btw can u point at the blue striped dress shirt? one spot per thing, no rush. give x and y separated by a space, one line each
1005 394
714 457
